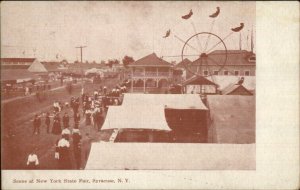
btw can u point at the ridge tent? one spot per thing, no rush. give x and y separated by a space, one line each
172 101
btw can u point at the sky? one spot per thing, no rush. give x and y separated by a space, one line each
50 31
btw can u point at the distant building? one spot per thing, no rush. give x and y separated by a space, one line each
236 89
16 63
150 72
239 63
199 85
30 64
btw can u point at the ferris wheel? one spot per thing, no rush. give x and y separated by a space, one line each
199 47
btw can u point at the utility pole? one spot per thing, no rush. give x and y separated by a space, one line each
81 47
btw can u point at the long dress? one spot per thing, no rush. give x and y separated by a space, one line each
56 129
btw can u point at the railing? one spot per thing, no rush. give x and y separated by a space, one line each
151 74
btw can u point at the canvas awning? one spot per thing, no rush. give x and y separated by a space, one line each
136 117
173 101
171 156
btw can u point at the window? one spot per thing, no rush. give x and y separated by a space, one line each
236 73
247 73
226 72
205 73
252 59
216 72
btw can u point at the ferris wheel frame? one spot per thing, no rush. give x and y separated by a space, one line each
203 55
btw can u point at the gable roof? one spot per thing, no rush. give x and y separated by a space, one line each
183 63
17 60
234 57
198 80
151 60
232 88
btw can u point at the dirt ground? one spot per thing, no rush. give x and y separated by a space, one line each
17 128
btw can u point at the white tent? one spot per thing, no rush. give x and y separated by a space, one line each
136 117
224 81
171 156
95 70
37 67
176 101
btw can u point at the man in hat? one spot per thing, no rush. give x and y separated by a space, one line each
36 124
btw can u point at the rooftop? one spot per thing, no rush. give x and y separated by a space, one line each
151 60
234 57
17 59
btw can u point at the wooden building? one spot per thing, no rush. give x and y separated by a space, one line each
150 73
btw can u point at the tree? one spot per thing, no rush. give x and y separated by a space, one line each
116 62
110 63
102 62
127 60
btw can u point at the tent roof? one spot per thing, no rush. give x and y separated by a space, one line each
151 60
37 67
16 74
233 118
233 87
171 156
136 117
224 81
198 80
183 63
175 101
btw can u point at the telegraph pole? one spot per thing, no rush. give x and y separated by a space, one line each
81 47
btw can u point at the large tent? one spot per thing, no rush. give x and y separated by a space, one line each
174 101
233 118
171 156
136 117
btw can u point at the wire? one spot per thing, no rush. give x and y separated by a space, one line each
208 37
208 51
199 43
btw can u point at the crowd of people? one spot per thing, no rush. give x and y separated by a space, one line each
93 107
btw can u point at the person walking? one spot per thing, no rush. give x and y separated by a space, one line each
66 120
76 136
36 124
77 118
64 153
47 121
56 129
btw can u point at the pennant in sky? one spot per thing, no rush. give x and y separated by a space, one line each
216 13
167 34
188 15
